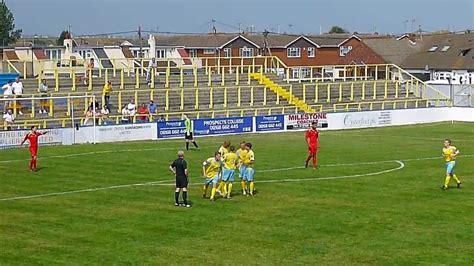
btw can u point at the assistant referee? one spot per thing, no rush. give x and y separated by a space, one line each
180 168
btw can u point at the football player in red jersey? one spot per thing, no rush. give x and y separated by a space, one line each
32 137
312 139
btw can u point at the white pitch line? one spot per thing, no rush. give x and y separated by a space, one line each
400 167
91 153
163 182
83 190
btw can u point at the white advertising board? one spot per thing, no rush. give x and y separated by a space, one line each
462 114
11 139
115 133
368 119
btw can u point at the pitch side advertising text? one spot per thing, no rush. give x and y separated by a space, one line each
171 129
10 139
217 126
302 121
270 123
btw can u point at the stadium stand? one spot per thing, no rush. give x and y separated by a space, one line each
236 87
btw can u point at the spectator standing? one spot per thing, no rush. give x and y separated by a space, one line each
8 119
7 93
125 115
106 92
150 70
88 72
180 168
132 108
91 103
43 91
18 91
152 107
143 112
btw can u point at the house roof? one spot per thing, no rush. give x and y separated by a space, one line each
392 50
211 40
194 41
222 39
453 51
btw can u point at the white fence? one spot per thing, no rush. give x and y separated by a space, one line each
461 95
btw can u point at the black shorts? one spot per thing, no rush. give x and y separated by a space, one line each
188 136
181 182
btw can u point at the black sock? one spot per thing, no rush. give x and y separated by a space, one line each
176 197
195 144
185 197
187 146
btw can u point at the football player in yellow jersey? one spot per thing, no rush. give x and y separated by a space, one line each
224 149
211 170
242 154
450 153
230 164
250 171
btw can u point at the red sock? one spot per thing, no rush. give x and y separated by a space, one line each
31 164
34 163
315 161
307 159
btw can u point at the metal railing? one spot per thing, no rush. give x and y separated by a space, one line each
389 104
200 98
119 119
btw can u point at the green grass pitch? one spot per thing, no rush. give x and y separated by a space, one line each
376 199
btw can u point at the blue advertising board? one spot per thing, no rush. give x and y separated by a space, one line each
229 125
171 129
269 123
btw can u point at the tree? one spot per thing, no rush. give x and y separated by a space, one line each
8 33
337 29
64 35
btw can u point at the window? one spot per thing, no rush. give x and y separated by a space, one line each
208 51
433 48
246 52
311 51
85 53
161 53
294 52
343 51
464 52
445 48
192 53
53 54
301 73
227 52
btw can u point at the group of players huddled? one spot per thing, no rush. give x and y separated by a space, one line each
219 172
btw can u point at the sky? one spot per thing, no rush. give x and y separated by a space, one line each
50 17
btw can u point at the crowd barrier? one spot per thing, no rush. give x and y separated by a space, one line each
242 125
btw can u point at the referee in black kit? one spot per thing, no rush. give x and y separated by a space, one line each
180 168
